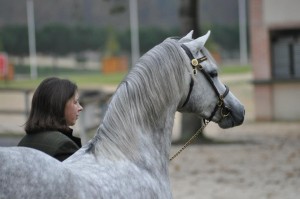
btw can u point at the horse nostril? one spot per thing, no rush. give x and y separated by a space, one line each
225 111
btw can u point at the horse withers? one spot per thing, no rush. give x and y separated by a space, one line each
129 154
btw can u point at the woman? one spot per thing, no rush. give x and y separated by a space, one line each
54 108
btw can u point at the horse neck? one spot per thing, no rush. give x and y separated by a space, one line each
138 123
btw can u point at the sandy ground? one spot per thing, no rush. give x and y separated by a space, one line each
256 160
253 161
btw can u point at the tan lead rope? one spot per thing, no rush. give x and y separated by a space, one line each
190 140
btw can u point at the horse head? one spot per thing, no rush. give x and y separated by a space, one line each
218 104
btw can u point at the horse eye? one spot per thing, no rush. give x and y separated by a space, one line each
213 74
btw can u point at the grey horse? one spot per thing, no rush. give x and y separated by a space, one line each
129 154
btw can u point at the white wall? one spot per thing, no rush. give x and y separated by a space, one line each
286 101
281 11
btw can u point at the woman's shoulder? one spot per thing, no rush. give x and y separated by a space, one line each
48 139
45 136
51 142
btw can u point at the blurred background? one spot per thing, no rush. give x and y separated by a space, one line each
95 43
79 34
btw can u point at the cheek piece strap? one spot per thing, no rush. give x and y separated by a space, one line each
195 63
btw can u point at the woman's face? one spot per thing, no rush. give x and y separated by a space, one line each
72 109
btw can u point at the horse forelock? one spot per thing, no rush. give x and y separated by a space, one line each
140 101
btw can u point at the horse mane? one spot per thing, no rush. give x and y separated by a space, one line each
154 83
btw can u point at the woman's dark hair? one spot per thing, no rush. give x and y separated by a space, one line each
48 105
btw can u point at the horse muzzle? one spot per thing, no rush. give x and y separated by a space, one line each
231 118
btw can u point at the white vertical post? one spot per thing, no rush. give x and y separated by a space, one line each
243 32
134 31
31 39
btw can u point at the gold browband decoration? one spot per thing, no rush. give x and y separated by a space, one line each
195 62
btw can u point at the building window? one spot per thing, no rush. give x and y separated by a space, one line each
285 54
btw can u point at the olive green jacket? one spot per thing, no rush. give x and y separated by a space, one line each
54 143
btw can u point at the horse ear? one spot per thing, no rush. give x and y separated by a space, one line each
196 45
187 37
202 40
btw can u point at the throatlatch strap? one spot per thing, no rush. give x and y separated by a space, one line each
189 94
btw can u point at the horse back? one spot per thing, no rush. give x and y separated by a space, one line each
29 173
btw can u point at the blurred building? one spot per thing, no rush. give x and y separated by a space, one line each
275 45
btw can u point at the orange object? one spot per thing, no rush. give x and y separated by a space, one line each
114 64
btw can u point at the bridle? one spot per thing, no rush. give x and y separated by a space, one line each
196 65
224 110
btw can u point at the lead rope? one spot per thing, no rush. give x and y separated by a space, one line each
190 140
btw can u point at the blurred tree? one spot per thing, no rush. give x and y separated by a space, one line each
14 39
54 39
86 38
151 36
188 13
226 36
1 45
112 46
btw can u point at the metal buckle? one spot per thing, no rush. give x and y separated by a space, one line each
220 102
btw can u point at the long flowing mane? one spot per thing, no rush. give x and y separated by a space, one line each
152 85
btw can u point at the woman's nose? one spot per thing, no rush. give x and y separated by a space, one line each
80 108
